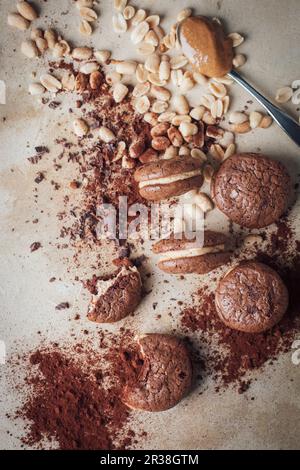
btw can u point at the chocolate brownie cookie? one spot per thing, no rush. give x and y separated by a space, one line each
251 298
251 189
116 297
159 375
184 256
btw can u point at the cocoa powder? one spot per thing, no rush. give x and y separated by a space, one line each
75 400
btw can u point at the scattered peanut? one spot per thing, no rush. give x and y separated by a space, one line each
266 122
119 23
80 127
41 44
284 95
242 128
197 113
89 67
36 33
160 93
208 173
140 32
113 77
151 38
126 67
177 120
166 117
159 107
151 118
238 117
106 135
145 49
184 151
181 104
199 78
88 14
164 70
138 17
175 137
36 89
239 60
51 38
170 152
141 89
188 129
160 143
237 39
203 201
217 109
129 12
198 154
142 104
141 73
17 21
29 48
178 62
119 92
102 56
85 28
68 81
120 4
95 80
183 14
82 53
255 119
153 20
217 152
217 89
160 129
50 82
152 63
27 11
61 49
229 151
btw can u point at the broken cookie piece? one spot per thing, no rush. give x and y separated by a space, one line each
158 373
116 297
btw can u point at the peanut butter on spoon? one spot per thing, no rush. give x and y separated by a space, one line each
203 41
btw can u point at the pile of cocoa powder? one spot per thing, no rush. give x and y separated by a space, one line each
229 355
75 397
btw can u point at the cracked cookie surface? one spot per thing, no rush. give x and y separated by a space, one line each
252 190
117 297
251 298
163 377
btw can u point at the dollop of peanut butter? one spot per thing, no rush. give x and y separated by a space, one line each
203 41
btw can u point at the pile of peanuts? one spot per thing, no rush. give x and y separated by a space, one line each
178 129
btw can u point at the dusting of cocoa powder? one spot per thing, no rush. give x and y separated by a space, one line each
75 400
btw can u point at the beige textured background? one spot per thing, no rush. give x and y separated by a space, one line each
27 298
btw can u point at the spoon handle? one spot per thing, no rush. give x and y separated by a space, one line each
288 124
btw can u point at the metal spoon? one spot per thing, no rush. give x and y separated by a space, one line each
289 125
